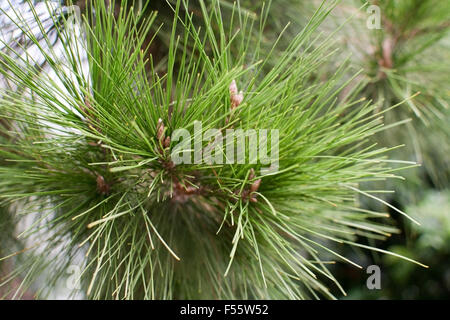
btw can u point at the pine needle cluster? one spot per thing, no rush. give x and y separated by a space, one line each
86 156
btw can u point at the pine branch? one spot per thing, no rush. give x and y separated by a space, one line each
97 173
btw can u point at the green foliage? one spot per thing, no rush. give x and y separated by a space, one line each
88 164
428 243
403 59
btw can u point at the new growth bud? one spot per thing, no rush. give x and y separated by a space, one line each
235 97
249 194
251 175
102 186
233 88
160 130
166 143
255 185
236 100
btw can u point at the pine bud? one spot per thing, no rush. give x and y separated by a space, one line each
166 143
233 88
160 130
102 186
236 100
251 176
255 186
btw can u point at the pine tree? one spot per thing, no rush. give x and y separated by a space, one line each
403 60
88 154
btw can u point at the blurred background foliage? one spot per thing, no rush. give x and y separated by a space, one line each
405 60
429 243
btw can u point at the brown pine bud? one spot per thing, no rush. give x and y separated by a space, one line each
251 176
166 143
169 165
255 186
233 88
102 186
160 130
236 100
